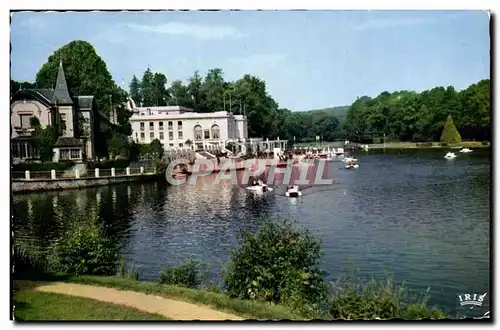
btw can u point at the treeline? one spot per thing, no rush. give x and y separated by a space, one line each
411 116
247 95
401 116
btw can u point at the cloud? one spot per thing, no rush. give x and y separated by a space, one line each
389 23
384 23
192 30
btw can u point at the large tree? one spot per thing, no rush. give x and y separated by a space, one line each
86 74
135 90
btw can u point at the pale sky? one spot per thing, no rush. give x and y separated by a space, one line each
309 59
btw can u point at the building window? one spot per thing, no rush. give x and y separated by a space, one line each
151 126
181 145
180 135
63 124
170 125
179 125
136 135
160 126
142 136
25 121
64 154
198 132
207 134
171 145
170 135
142 126
75 153
215 132
162 136
151 135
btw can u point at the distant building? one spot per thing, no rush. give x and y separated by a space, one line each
180 127
75 121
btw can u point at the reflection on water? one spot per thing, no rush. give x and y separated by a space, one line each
425 219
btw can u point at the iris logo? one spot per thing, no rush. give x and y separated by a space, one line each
471 299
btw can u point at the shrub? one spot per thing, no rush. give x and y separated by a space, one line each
43 167
277 264
424 144
84 249
485 143
444 144
450 133
131 273
355 298
186 275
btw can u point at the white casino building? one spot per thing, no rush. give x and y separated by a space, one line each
176 125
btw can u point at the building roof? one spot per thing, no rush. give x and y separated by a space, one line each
68 142
84 102
61 93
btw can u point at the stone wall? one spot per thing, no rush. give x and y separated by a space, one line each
19 186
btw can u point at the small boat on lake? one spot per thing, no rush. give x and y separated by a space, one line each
450 155
293 191
351 166
350 159
259 186
465 150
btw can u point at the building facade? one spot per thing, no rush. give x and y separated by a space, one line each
74 121
180 127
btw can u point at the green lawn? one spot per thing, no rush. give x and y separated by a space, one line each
244 308
39 306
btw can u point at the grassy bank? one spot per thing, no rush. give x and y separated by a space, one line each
41 301
273 274
30 305
423 145
401 145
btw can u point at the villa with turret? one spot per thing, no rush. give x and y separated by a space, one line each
74 119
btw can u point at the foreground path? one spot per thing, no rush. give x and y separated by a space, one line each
172 309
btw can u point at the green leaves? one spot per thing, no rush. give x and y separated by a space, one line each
450 133
277 264
410 116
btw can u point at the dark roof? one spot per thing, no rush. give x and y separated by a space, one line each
48 93
84 102
61 93
68 142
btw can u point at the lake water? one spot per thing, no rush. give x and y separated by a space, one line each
423 218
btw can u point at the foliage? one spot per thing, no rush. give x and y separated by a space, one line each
156 149
84 248
354 298
127 272
43 167
46 137
16 86
186 275
135 90
118 145
277 264
86 74
411 116
450 133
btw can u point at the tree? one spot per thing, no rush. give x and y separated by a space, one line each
45 138
148 89
159 90
180 94
277 264
86 74
135 90
15 86
156 149
450 133
118 146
